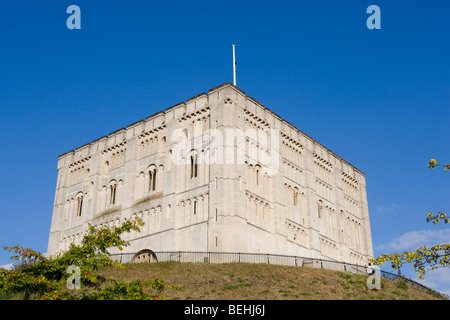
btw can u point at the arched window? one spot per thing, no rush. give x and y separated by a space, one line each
80 204
168 211
152 179
194 165
295 196
319 209
195 206
112 192
257 171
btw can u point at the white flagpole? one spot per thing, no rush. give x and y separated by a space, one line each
234 67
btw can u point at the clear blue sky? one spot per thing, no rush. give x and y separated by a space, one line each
378 98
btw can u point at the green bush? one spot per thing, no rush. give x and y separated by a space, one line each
41 278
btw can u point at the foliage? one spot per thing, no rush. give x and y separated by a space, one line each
39 277
434 257
436 218
433 163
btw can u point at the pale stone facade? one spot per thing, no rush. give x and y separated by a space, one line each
268 188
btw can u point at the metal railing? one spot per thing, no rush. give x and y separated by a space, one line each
240 257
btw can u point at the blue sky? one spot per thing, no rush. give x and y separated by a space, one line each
380 99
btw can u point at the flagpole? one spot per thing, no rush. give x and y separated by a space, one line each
234 67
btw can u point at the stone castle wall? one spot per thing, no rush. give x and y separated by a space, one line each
219 172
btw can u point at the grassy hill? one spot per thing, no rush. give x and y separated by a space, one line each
242 281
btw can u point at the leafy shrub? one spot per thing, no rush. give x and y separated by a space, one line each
45 278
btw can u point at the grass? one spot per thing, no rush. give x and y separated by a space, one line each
241 281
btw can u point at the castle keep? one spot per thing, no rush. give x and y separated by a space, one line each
219 172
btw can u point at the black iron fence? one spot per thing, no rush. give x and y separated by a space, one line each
240 257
